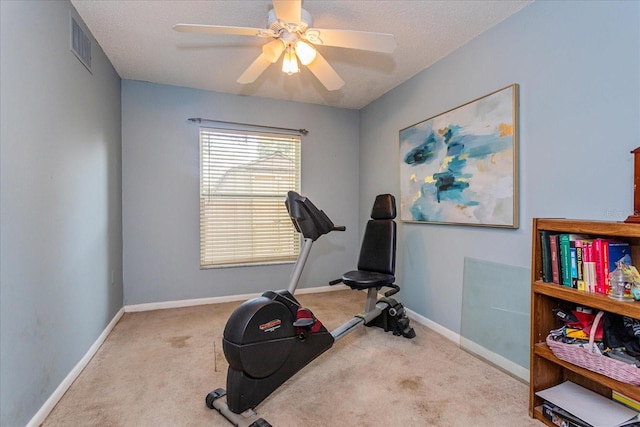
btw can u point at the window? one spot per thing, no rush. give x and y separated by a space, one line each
244 180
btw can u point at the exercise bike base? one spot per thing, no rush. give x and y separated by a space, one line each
217 400
392 318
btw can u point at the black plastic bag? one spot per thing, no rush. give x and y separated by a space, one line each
622 332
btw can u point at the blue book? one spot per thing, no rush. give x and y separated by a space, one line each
619 251
574 265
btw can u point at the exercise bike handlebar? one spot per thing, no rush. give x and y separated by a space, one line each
394 290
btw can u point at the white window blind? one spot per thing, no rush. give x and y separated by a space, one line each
244 180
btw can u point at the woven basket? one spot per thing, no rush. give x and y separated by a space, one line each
585 358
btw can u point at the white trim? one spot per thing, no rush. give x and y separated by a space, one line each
55 397
320 289
495 359
447 333
489 356
216 300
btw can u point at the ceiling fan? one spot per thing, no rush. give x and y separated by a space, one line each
290 27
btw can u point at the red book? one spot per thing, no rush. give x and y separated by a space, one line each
605 267
554 245
589 267
598 258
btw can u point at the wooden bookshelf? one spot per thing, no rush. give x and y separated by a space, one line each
546 370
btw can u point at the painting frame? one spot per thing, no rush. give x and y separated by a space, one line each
461 167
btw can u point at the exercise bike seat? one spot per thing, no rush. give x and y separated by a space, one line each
376 264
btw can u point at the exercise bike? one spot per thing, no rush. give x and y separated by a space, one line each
270 338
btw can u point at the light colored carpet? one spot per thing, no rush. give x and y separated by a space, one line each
156 368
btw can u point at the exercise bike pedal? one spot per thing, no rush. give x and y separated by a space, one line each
304 323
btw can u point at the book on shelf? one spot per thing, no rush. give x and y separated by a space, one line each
618 252
587 406
560 417
589 266
606 268
574 266
625 400
556 265
581 262
580 283
598 248
607 253
545 248
568 258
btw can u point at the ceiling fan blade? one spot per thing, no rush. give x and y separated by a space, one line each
221 29
325 73
288 10
254 70
376 42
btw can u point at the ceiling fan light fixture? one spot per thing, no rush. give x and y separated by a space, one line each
290 62
273 50
291 29
305 52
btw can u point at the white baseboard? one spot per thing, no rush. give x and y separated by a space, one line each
447 333
52 401
216 300
493 358
320 289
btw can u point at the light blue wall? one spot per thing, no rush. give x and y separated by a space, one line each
577 64
161 185
61 174
60 218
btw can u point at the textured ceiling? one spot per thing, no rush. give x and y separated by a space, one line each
138 39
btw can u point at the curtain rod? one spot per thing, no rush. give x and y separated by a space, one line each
199 120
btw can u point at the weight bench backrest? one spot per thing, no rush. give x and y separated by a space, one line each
378 251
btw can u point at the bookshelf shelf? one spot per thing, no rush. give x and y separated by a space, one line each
596 301
542 350
546 370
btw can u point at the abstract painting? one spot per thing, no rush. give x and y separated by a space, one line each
461 167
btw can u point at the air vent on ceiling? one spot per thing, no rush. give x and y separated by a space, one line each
80 44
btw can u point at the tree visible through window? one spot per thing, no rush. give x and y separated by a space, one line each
244 180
